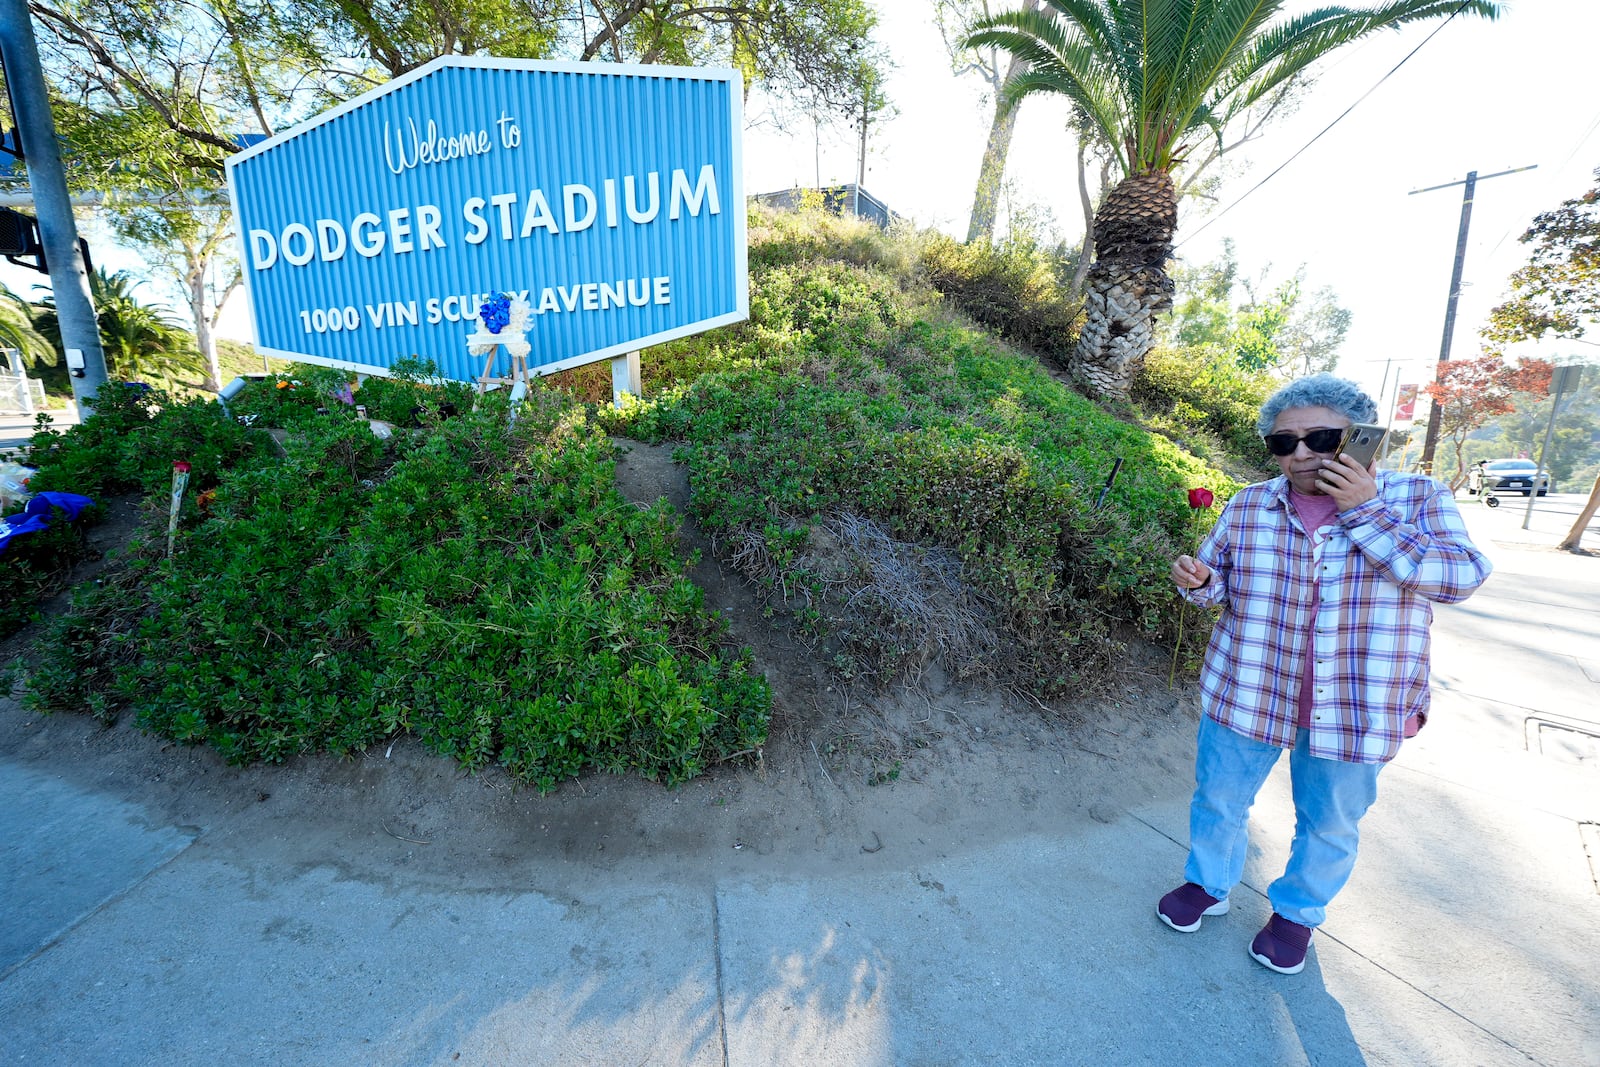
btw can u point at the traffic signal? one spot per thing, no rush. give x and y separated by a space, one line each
19 235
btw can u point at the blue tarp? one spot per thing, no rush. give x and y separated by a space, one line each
37 513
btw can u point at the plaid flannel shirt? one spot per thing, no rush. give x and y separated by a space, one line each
1383 566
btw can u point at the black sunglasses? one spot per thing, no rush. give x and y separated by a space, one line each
1324 441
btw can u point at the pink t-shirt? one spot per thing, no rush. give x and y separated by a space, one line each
1316 513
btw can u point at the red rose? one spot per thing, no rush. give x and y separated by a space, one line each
180 466
1200 498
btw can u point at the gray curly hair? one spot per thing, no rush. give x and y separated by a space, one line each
1318 391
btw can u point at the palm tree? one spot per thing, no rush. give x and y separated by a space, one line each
139 340
1156 77
18 331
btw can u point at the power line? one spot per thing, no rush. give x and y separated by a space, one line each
1326 128
1582 140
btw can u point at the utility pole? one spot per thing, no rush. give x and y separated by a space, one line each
58 231
1471 183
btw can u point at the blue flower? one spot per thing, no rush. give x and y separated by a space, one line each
495 312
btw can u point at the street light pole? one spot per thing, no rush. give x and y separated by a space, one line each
1431 441
58 232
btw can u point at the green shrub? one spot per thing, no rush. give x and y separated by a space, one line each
133 439
1014 288
845 395
35 566
1200 388
948 443
412 395
485 588
488 590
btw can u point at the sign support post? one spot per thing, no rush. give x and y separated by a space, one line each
625 378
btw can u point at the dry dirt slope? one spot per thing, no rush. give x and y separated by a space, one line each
912 772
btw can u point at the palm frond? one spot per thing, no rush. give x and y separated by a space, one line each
1062 58
1091 18
1230 33
1151 72
1285 50
18 330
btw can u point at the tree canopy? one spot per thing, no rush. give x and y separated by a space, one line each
1160 78
139 339
17 330
209 70
151 99
1260 325
1558 293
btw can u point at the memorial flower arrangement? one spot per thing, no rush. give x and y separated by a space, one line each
502 320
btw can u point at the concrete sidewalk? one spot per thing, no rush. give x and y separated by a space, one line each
1469 934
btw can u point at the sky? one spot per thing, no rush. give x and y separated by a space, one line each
1479 96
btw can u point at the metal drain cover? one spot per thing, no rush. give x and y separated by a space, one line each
1565 740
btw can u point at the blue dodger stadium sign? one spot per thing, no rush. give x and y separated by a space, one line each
609 197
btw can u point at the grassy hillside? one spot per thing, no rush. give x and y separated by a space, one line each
908 487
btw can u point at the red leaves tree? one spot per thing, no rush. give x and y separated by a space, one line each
1470 392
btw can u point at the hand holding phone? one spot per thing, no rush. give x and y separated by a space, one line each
1352 484
1362 442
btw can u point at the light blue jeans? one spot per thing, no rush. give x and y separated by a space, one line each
1330 797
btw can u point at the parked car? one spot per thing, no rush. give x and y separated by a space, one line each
1515 475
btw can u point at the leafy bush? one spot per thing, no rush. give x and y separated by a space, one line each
133 439
485 588
846 395
948 442
1013 288
35 567
1200 389
412 395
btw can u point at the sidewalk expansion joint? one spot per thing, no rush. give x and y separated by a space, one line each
1323 932
1589 835
114 898
1561 738
716 952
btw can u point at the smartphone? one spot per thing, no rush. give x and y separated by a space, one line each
1362 441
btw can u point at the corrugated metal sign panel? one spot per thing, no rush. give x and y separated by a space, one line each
611 196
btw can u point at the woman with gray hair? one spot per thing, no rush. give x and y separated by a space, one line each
1326 578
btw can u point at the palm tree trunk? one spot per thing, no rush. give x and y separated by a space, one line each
1128 284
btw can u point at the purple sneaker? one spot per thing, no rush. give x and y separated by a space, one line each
1281 945
1183 908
